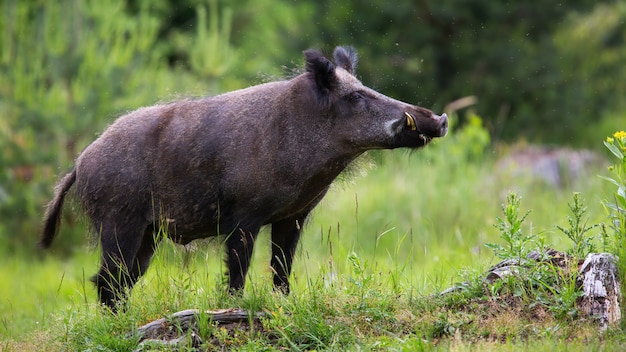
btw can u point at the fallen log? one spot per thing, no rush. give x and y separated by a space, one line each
181 326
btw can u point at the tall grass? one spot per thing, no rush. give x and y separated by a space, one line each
378 246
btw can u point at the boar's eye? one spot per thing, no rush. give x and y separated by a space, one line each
355 97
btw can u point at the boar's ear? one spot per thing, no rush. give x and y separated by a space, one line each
322 71
345 57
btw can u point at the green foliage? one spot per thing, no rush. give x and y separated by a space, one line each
583 244
211 53
591 84
466 144
510 228
361 280
87 61
443 327
567 294
615 205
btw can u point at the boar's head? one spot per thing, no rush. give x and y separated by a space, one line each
364 118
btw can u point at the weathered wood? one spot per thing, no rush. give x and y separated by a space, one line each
503 269
600 283
517 267
188 317
168 330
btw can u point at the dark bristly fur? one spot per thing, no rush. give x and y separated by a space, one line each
231 164
322 72
346 58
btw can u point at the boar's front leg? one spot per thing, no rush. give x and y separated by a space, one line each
285 236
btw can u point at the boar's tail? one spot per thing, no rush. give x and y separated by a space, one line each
52 219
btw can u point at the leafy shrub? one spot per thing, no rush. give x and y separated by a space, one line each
615 237
88 62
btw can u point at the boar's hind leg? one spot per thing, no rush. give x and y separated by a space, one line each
120 245
239 244
149 244
285 236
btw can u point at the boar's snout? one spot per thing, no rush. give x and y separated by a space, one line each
442 125
431 127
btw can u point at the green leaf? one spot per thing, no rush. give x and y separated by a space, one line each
615 150
613 181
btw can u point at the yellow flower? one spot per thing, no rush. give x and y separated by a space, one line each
609 140
620 135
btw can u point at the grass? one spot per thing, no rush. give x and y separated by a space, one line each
371 263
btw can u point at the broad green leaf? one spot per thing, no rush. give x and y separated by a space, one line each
614 149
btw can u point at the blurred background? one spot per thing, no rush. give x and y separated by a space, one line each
531 85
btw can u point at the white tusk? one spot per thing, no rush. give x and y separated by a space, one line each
410 121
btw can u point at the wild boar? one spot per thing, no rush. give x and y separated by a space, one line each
230 164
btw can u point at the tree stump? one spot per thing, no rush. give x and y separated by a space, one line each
601 287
